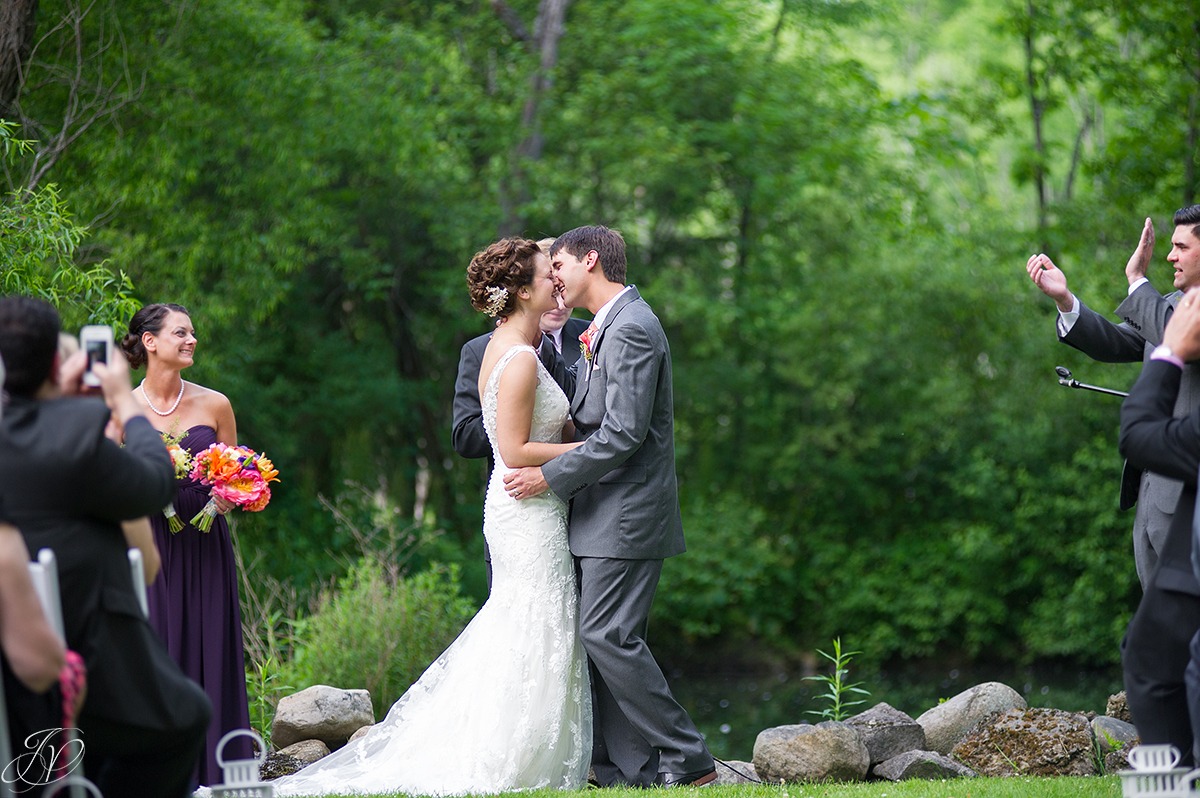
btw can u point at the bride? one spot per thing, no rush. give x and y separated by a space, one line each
507 706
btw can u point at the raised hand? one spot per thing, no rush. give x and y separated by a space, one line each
1051 280
1139 261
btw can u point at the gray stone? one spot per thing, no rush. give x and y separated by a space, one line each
947 723
887 732
736 772
1116 761
1030 742
921 765
322 713
277 764
1113 735
1118 707
829 751
362 732
306 751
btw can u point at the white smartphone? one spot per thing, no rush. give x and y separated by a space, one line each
96 340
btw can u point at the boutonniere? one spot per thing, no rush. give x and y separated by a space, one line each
585 344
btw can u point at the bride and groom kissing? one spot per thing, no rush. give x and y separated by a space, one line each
553 674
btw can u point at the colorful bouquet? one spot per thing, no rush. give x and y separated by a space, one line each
182 459
238 475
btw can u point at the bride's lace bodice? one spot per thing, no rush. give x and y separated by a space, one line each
550 406
507 706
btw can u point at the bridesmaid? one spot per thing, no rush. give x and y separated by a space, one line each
194 603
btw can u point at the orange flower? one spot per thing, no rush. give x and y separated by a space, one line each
267 469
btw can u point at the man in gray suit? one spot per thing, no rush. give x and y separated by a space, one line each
624 518
1154 653
1145 313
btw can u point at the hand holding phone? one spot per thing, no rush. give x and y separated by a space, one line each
96 341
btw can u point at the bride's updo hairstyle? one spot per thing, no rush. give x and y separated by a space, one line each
496 273
149 319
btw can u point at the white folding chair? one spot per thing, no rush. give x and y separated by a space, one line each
6 789
44 574
138 572
76 784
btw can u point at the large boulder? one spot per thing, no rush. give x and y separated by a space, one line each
829 751
921 765
1030 742
949 722
323 713
887 732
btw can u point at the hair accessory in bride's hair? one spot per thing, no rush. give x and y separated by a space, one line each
497 297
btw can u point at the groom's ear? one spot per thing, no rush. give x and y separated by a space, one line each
591 259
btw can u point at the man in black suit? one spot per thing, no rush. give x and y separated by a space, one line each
1161 685
68 487
559 351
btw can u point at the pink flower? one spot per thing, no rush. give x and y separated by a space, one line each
245 488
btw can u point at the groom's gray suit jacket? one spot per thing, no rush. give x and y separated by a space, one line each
1145 313
621 482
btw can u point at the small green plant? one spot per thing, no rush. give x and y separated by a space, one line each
837 690
1098 750
263 688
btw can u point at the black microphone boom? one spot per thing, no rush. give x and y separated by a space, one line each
1065 378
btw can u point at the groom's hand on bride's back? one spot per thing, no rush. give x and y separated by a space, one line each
523 483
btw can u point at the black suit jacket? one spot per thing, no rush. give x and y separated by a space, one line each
67 487
467 433
1151 438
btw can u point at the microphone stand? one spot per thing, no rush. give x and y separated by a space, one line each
1065 379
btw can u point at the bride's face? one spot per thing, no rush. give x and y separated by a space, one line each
543 291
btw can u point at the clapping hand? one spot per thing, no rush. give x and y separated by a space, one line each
1051 280
1182 335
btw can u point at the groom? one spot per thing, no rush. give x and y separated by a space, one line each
624 515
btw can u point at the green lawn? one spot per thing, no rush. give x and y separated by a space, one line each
1076 787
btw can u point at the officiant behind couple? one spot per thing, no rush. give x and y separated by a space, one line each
512 697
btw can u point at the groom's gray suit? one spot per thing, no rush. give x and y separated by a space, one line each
624 521
1145 313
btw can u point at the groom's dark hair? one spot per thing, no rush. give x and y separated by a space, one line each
609 246
1189 215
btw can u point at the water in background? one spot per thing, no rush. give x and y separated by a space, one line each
732 709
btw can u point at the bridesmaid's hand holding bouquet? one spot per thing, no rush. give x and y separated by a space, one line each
238 475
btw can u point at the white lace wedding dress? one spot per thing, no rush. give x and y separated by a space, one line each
507 706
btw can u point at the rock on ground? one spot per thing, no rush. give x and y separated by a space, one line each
1030 742
829 751
949 722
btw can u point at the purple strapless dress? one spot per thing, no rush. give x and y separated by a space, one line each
194 609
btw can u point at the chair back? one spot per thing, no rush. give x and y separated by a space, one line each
44 573
138 572
6 757
77 785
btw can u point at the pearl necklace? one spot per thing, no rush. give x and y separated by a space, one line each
178 399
